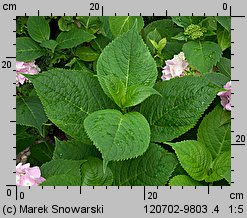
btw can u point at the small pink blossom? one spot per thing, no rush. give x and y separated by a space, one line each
25 68
175 67
28 176
225 96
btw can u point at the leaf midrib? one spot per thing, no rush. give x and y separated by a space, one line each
118 128
203 59
125 21
41 33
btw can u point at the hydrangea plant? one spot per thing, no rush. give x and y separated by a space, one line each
123 101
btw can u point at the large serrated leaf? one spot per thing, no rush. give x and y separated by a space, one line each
122 24
182 103
74 150
38 28
73 38
62 180
215 131
27 49
30 112
202 55
183 180
93 175
62 167
194 158
127 58
217 79
153 168
68 97
118 136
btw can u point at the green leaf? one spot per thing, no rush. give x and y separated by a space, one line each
62 180
183 180
122 24
93 175
118 136
194 157
116 89
221 168
172 48
202 55
224 21
76 64
183 102
224 66
217 79
87 54
73 38
21 25
128 59
23 138
68 97
209 23
100 43
91 23
40 153
105 27
153 168
74 150
138 93
215 131
62 167
27 49
180 37
135 95
165 27
66 23
30 112
152 38
38 28
185 21
50 44
224 38
179 170
161 45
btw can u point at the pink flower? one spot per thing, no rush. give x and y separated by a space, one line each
226 97
28 176
25 68
175 67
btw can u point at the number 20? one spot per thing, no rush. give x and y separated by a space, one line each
94 6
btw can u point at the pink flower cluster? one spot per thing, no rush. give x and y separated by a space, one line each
175 67
28 176
25 68
225 97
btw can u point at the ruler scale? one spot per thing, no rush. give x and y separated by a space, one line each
123 201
